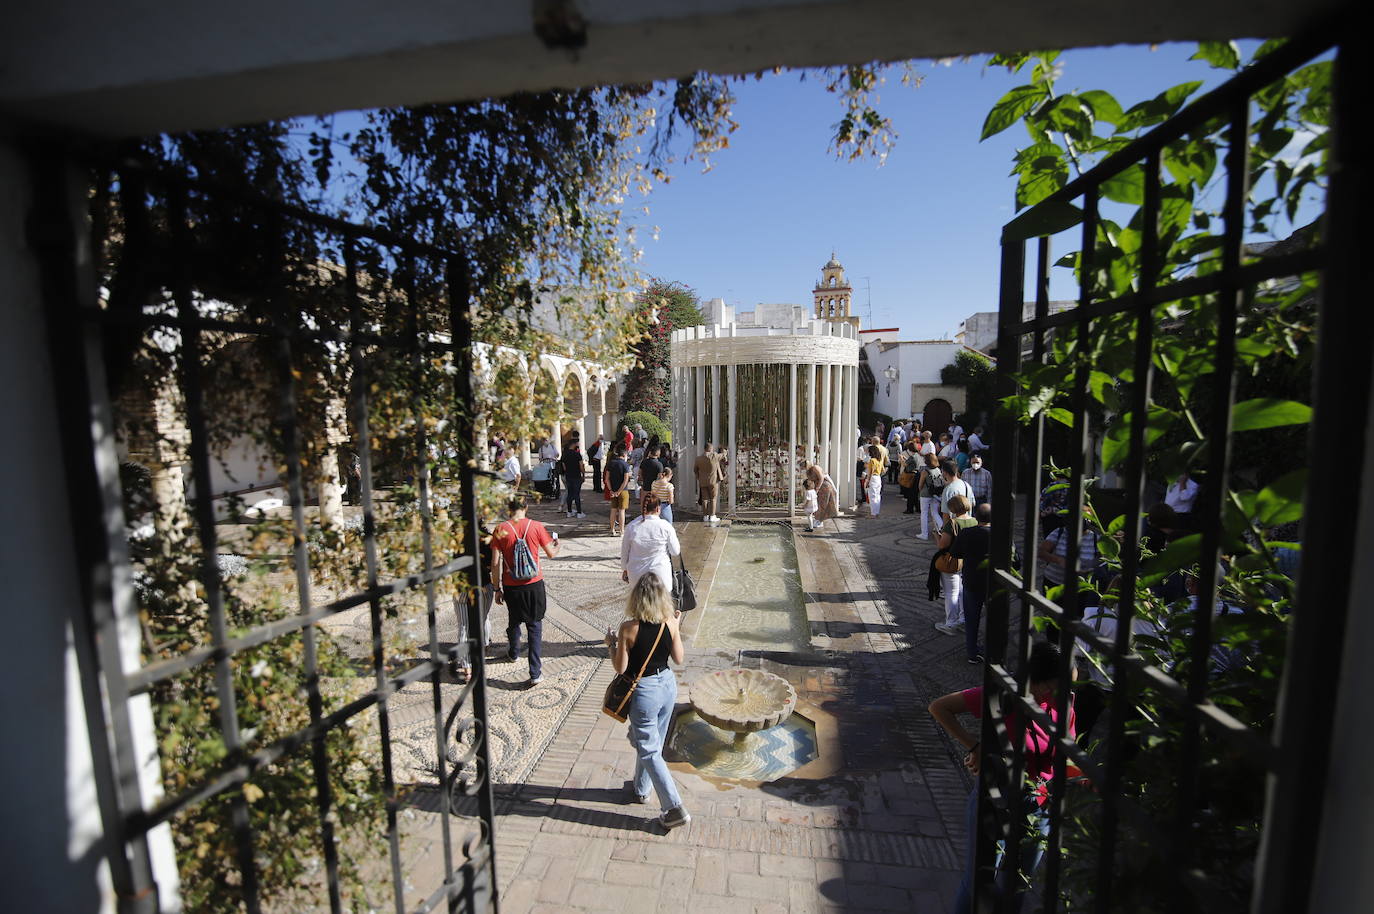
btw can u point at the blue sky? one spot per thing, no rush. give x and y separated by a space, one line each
918 236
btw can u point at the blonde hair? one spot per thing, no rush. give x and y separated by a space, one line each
649 600
958 504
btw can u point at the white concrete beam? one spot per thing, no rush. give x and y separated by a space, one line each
119 69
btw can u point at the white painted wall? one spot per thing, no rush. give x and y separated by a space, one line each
918 362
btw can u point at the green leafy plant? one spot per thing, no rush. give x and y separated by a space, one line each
1262 498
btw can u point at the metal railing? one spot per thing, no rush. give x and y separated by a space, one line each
81 331
1289 842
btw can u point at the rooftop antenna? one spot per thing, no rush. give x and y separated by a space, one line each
868 291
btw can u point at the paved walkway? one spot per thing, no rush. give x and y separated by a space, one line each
882 830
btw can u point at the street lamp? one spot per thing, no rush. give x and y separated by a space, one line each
891 373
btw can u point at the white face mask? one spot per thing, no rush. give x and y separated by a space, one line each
979 466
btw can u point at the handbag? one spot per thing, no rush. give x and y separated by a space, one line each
621 689
684 589
906 480
948 564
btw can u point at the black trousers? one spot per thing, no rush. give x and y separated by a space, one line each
596 474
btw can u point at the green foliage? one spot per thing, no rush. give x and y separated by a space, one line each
653 426
675 305
1263 498
974 372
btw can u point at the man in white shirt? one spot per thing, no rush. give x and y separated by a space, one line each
1182 496
947 446
548 455
510 470
648 545
976 445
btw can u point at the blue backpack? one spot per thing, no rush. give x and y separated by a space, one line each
523 565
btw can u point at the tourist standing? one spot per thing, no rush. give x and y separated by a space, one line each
617 485
548 456
628 437
515 565
972 546
1034 808
927 445
649 469
953 582
827 497
979 480
953 486
1054 551
634 459
649 546
666 493
961 455
873 480
1182 496
809 504
896 441
1054 503
911 473
976 445
931 484
947 449
596 455
709 473
510 470
647 640
574 472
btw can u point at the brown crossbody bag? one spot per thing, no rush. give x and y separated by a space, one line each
622 687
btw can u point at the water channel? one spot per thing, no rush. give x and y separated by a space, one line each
756 602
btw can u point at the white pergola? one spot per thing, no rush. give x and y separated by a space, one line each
823 364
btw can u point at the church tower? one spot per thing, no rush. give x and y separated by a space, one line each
832 295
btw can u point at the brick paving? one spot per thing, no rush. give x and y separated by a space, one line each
883 832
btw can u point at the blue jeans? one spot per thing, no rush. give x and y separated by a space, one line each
1035 819
666 512
535 631
973 614
651 710
574 486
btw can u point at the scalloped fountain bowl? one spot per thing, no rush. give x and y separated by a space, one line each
743 701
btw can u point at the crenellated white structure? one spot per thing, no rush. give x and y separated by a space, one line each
821 360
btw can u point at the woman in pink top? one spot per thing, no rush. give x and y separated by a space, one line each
1043 674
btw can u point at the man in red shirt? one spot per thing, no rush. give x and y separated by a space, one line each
522 593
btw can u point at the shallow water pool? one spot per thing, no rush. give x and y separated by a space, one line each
756 601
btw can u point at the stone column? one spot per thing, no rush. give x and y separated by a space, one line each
851 404
331 489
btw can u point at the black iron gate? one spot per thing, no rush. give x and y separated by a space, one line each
1293 756
303 293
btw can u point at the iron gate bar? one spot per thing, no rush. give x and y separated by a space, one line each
286 387
193 389
1142 382
1228 302
460 325
146 677
418 357
1231 100
1216 103
1281 266
1342 379
232 774
61 246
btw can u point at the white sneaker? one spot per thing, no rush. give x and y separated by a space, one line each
946 629
579 514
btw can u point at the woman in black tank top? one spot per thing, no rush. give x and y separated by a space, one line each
646 642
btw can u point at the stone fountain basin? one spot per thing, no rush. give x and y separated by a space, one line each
743 701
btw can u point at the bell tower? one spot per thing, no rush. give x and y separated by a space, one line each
833 297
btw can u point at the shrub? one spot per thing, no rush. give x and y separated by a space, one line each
652 425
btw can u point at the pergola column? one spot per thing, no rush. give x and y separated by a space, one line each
823 416
331 490
715 404
732 394
792 441
811 408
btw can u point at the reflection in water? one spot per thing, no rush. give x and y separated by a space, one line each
756 601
